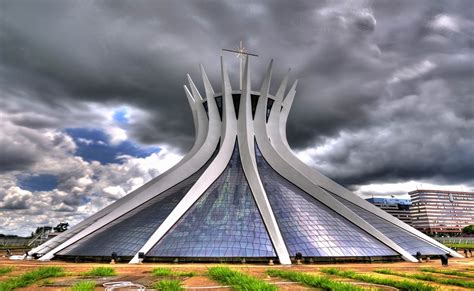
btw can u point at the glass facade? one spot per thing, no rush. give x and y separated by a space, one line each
311 228
404 239
126 235
224 222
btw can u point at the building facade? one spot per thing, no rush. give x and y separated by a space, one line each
399 208
442 212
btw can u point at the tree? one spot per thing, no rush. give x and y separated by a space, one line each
468 229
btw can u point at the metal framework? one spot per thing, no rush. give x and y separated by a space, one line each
259 124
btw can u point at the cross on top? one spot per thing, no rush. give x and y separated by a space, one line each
241 53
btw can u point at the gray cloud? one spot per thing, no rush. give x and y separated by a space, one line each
386 87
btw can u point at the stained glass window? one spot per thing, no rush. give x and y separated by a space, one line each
224 222
126 235
310 227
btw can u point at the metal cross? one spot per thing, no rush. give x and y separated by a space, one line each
241 53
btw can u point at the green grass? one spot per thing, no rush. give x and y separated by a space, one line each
168 285
400 284
31 277
460 245
101 272
167 272
83 286
448 272
238 280
5 270
312 280
430 278
45 282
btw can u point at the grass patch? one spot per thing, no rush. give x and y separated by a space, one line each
238 280
46 282
168 285
430 278
447 272
400 284
459 245
5 270
83 286
101 272
312 280
31 277
167 272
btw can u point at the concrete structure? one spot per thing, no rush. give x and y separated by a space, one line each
442 212
241 193
398 208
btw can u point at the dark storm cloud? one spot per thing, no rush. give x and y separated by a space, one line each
389 82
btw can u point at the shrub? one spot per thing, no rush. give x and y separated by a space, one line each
468 229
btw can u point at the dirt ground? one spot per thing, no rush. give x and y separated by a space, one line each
141 274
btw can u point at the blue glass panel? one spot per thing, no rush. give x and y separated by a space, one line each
128 234
224 222
310 227
404 239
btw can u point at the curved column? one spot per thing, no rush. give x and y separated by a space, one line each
285 109
214 170
288 172
206 143
249 164
277 134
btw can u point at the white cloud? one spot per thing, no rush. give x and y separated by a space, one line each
444 22
85 141
114 191
16 198
411 72
87 188
116 134
83 187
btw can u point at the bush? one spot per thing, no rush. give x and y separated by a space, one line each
468 229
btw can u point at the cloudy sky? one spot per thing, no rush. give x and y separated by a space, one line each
92 106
